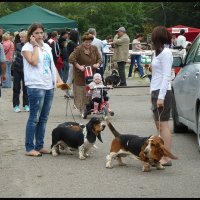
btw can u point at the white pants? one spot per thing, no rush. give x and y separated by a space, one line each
70 75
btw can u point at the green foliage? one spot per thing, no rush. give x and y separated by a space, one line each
106 17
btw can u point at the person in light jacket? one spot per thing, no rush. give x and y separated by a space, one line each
121 52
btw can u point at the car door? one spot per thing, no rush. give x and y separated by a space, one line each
193 85
184 90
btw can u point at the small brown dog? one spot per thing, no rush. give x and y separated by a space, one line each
149 150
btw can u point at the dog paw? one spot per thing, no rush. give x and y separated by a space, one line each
54 154
87 155
146 169
82 157
160 167
109 166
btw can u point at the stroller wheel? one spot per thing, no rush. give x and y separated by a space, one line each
112 113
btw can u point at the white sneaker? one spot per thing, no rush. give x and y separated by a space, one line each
26 108
17 109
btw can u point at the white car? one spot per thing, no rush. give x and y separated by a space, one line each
186 90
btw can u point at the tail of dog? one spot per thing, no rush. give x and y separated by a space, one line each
111 127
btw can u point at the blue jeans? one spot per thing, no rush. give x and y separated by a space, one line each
7 82
40 102
138 60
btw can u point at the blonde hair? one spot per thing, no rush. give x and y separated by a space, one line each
6 36
15 33
23 33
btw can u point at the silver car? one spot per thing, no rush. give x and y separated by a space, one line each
186 90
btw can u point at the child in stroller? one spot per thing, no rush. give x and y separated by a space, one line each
99 99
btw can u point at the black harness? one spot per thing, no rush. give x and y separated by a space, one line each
133 143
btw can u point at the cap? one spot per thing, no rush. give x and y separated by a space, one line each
97 75
121 29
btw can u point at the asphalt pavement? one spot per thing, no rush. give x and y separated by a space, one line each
66 176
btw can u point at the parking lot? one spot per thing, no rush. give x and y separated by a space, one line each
67 176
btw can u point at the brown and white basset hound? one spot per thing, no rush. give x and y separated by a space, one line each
149 150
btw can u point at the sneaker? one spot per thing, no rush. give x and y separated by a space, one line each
129 77
145 75
17 109
26 108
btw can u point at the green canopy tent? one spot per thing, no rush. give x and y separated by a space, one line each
22 19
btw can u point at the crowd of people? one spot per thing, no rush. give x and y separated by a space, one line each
40 61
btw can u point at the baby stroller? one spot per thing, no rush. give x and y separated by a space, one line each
102 108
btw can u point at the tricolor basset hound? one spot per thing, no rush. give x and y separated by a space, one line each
74 135
149 150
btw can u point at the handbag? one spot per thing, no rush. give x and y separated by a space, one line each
88 74
59 63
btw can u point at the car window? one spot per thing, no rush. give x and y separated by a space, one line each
197 56
192 51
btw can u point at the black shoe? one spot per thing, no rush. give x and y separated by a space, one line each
122 84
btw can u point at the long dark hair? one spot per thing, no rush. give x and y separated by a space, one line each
32 28
74 36
160 36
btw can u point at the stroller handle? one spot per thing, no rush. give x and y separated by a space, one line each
101 88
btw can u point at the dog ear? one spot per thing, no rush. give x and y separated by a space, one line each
167 153
141 154
99 137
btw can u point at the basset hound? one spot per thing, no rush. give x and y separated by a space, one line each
149 150
72 135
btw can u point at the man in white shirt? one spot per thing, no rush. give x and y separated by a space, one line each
181 41
107 48
99 44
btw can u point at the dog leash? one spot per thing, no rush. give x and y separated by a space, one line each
68 104
159 115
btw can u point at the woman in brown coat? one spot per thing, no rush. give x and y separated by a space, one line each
83 55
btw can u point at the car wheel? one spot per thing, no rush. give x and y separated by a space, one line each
198 130
177 126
